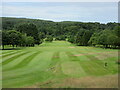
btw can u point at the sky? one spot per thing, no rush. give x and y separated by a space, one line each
103 12
60 0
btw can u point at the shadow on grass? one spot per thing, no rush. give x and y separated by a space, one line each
13 48
115 48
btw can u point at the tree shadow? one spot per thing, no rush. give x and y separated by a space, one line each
13 48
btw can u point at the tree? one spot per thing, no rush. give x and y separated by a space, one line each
26 40
117 33
5 38
107 38
94 39
23 40
41 35
71 39
30 29
86 37
29 41
14 37
0 37
49 39
61 37
78 33
82 37
78 37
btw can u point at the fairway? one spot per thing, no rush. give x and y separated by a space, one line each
59 64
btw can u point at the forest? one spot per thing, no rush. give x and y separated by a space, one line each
24 32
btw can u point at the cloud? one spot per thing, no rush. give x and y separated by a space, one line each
102 12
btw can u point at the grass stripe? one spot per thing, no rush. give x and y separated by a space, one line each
55 58
96 66
71 64
72 57
58 68
6 52
90 64
15 62
10 54
74 62
13 58
25 61
37 65
6 58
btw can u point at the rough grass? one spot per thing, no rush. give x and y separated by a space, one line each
59 64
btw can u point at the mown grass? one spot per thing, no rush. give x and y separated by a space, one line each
51 64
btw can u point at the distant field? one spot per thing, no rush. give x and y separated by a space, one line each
60 65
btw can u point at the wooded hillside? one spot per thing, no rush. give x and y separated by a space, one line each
79 33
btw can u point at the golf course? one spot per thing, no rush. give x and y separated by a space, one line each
59 64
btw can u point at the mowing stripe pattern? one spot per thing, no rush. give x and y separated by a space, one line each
49 64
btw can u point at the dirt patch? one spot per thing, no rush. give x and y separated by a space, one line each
33 86
105 55
100 55
83 54
38 85
108 81
90 82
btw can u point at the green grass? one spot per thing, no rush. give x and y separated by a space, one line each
49 64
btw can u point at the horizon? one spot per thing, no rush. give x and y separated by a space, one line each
102 12
58 21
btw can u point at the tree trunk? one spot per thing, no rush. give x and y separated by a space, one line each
106 46
3 47
13 46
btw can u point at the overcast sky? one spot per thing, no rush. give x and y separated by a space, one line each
63 11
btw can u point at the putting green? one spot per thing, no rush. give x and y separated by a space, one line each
48 64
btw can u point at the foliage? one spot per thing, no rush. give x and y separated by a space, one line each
27 40
49 39
30 29
62 37
107 38
71 39
79 33
41 35
5 38
15 38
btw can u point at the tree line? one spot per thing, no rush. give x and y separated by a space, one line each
23 35
15 38
104 38
79 33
